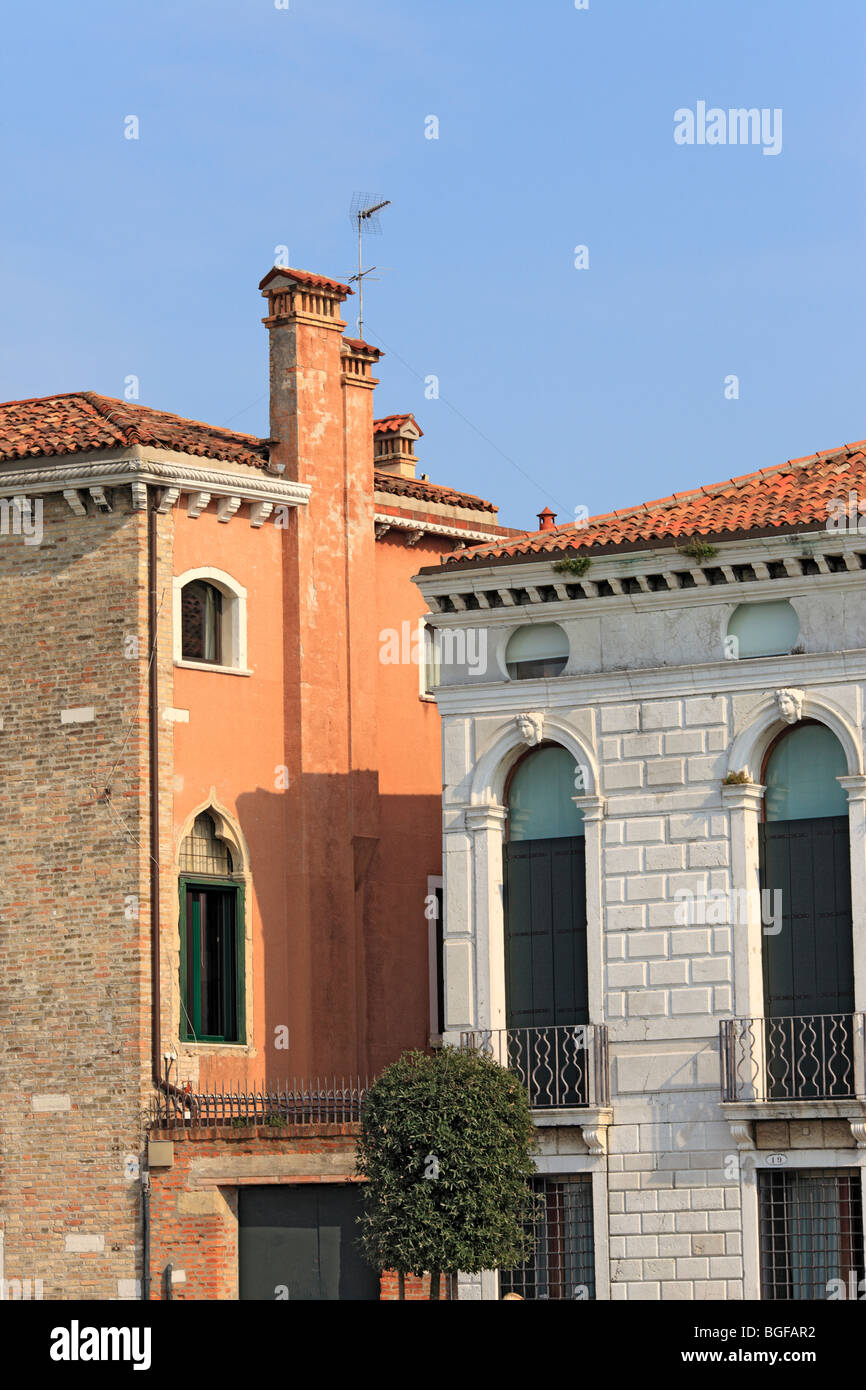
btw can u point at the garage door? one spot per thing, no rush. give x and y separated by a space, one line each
301 1243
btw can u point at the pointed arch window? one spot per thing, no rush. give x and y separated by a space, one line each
211 937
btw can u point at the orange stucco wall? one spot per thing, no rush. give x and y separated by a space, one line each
233 749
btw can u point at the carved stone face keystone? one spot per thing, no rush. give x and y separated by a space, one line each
531 727
790 705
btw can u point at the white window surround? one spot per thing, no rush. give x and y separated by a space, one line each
434 881
227 829
474 945
750 1165
743 802
474 935
234 621
428 660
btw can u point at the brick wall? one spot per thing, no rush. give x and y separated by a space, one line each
74 926
194 1203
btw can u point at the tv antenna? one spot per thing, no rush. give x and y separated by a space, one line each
365 211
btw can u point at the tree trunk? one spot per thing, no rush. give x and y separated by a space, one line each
401 1286
434 1284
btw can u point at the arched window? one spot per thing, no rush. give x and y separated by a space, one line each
210 621
538 649
546 978
201 622
808 958
211 937
762 629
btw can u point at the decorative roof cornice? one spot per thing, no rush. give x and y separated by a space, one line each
144 466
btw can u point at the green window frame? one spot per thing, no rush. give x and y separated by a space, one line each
224 961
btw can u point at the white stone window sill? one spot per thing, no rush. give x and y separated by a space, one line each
209 666
233 1049
428 699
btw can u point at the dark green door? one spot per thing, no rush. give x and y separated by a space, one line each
546 986
300 1243
809 962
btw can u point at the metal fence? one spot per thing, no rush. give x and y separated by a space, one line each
335 1100
802 1057
561 1066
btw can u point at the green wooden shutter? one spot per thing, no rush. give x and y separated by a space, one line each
545 938
809 964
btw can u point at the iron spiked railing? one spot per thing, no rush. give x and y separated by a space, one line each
798 1057
562 1066
325 1100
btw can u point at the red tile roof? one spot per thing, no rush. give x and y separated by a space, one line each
387 424
787 497
358 345
430 492
82 420
305 277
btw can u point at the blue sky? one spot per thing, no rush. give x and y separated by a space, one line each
597 387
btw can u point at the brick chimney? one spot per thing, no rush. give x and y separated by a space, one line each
321 433
394 445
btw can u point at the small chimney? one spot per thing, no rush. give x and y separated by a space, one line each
546 520
394 445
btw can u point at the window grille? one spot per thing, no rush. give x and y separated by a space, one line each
562 1264
202 852
811 1232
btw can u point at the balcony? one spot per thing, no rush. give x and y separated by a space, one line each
563 1067
809 1057
330 1100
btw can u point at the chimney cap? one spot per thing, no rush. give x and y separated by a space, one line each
398 424
546 520
305 277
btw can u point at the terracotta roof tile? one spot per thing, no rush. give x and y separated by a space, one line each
387 424
358 345
430 492
305 277
83 420
785 497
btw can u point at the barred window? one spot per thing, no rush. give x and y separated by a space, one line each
811 1233
203 852
562 1264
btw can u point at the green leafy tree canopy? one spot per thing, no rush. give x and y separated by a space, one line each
446 1148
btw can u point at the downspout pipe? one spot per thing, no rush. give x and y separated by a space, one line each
160 1082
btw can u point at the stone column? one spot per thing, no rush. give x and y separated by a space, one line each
592 808
743 804
487 826
856 789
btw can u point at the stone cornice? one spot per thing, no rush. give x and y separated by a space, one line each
188 473
742 796
405 523
596 687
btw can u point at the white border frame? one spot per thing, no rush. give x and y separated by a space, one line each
234 620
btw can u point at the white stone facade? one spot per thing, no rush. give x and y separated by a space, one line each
657 718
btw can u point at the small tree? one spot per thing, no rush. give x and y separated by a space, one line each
446 1148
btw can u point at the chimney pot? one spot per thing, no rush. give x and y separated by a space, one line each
546 520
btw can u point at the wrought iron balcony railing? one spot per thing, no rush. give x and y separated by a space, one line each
804 1057
562 1066
329 1100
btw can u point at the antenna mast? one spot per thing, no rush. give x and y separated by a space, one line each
364 211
